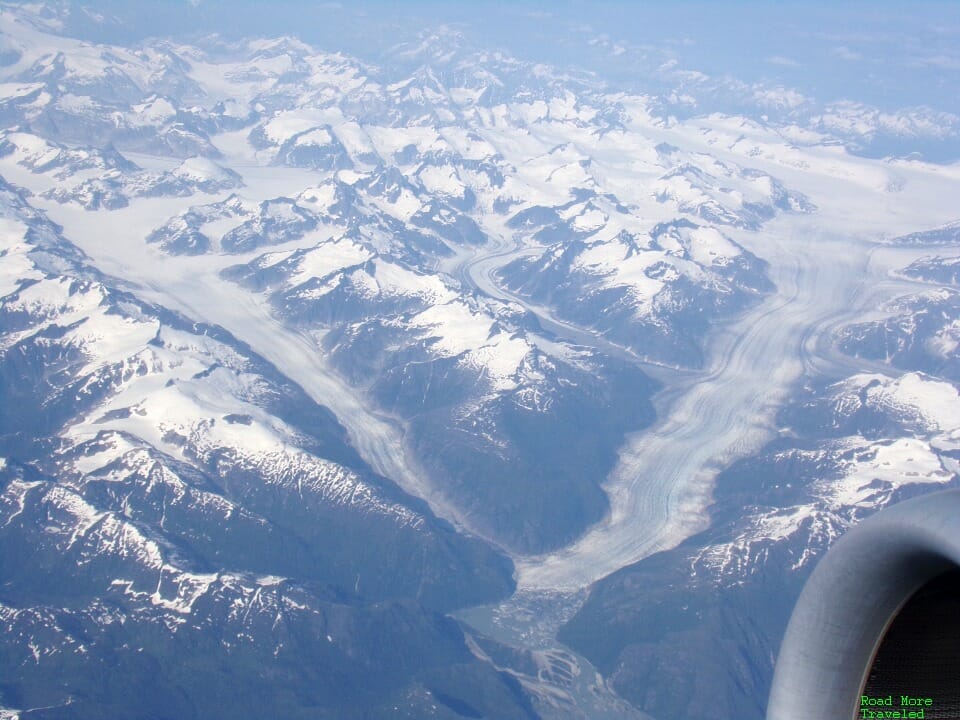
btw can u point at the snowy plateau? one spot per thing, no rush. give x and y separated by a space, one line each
447 386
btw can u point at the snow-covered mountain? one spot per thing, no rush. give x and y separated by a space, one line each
696 629
379 198
935 269
655 293
161 481
947 235
301 352
96 179
920 331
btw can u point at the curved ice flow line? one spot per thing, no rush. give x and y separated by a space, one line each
663 480
477 271
661 485
376 438
192 286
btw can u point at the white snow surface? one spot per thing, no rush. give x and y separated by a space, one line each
662 485
547 149
328 258
870 472
456 330
15 265
200 169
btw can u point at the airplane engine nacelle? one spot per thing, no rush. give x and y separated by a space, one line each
877 626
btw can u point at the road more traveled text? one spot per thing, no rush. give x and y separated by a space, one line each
872 708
